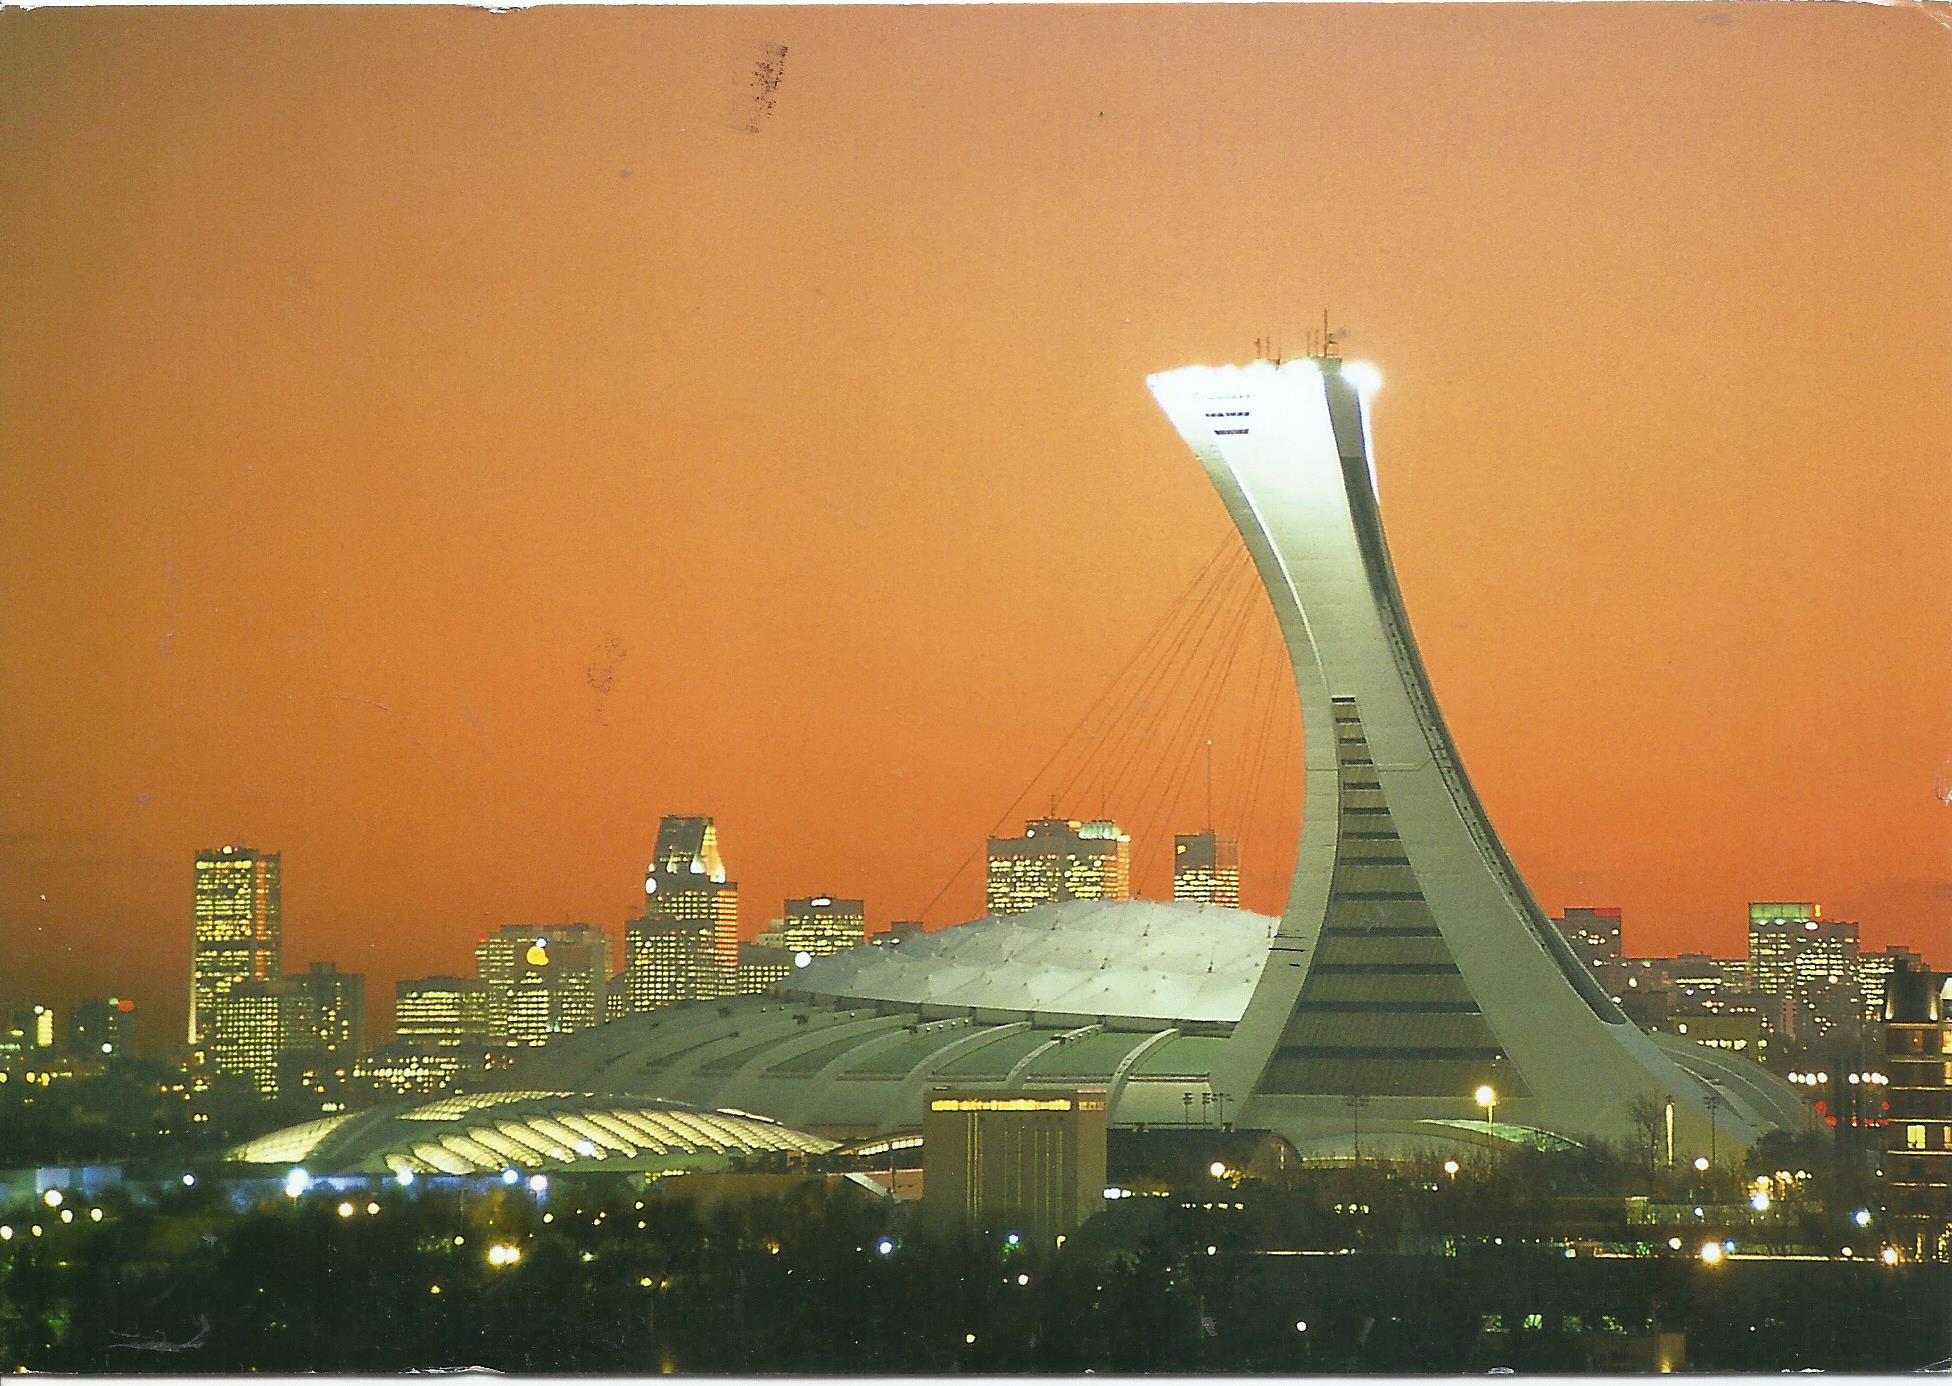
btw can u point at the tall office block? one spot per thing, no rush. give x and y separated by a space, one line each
821 925
441 1013
1593 933
1206 870
338 1008
257 1027
688 905
239 928
1917 1174
1807 961
1059 859
762 966
543 980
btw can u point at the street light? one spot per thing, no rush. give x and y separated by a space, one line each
1488 1099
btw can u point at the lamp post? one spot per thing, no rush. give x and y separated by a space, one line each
1356 1102
1714 1103
1488 1099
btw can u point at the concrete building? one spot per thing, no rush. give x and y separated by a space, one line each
1059 859
1206 870
441 1013
821 925
687 901
1029 1164
238 928
543 980
761 967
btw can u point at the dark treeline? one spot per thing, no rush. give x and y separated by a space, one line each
822 1278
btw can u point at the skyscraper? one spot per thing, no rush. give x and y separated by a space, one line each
338 1001
820 925
441 1013
1059 859
1206 870
257 1025
543 980
1807 962
686 945
239 928
1874 975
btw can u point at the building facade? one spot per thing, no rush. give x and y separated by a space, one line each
338 1008
1809 962
431 1013
1206 870
542 980
821 925
762 966
1918 1063
1059 859
238 908
686 945
259 1028
1025 1163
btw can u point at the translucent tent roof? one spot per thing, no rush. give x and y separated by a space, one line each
529 1130
1127 959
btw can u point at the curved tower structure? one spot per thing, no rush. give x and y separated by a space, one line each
1412 968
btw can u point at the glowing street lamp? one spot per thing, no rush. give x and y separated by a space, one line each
1487 1097
1711 1253
1701 1164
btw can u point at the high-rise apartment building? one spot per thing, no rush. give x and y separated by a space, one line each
338 1002
441 1013
239 928
1206 870
821 925
543 980
1059 859
686 945
36 1025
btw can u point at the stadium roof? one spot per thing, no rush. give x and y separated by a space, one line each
529 1130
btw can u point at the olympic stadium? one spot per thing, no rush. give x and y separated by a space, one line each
1412 982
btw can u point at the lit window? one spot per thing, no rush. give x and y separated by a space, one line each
1914 1138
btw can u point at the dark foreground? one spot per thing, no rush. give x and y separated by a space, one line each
816 1281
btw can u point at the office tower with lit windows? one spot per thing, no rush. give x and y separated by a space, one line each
1059 859
1206 870
1810 963
762 966
1873 976
686 945
821 925
441 1013
543 980
258 1027
239 929
338 1008
102 1028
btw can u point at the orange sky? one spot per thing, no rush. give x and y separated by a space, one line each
368 379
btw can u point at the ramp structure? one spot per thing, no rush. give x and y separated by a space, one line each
1412 973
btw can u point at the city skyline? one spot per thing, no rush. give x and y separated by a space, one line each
1650 700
